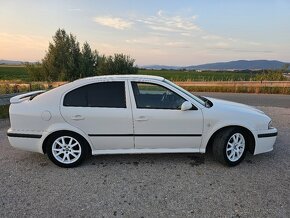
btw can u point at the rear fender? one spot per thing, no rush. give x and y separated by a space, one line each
64 127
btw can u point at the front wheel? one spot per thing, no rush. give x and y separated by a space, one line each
66 150
229 146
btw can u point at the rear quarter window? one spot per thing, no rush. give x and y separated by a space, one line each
103 94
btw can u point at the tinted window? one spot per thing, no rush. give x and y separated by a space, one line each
104 94
148 95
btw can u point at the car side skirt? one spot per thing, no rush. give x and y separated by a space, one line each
147 151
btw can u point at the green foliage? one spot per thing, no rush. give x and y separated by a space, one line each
117 64
35 71
176 75
88 63
62 61
271 75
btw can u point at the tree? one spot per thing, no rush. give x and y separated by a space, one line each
62 60
117 64
88 61
74 59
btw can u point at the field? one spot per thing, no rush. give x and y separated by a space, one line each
13 73
19 73
176 75
16 79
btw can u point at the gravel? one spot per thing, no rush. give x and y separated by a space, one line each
160 185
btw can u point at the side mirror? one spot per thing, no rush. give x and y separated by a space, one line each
186 106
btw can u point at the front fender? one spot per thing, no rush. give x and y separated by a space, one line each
210 130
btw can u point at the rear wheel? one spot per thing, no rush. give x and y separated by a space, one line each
66 150
229 146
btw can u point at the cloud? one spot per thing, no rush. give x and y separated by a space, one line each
219 45
177 44
185 34
252 51
166 34
151 40
113 22
231 44
211 37
163 28
158 42
163 22
25 41
74 9
254 43
22 47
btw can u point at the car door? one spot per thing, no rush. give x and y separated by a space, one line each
159 121
103 111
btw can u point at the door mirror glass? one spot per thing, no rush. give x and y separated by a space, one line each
186 106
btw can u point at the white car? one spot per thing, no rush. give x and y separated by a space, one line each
134 114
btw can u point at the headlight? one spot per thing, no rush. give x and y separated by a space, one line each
270 125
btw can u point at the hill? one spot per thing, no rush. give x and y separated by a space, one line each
9 62
240 65
231 65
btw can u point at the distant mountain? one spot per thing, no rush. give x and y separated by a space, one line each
240 65
160 67
231 65
9 62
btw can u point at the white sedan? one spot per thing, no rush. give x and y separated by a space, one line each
132 114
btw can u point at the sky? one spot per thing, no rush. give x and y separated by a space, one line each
165 32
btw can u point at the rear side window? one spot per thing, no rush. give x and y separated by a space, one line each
103 94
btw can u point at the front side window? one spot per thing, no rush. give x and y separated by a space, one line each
153 96
103 94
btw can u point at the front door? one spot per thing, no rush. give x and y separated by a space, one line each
102 110
159 121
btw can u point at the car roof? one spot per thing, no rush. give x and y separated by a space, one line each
117 77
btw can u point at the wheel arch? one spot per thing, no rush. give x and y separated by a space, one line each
60 132
250 138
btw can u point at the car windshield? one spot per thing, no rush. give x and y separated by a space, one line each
200 100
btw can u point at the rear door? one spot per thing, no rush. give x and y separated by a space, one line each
159 121
103 111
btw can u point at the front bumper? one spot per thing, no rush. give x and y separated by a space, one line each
265 140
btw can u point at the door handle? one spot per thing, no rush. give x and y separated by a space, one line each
142 118
77 117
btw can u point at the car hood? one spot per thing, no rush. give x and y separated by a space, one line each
234 105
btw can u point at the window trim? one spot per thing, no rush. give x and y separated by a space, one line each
95 82
152 83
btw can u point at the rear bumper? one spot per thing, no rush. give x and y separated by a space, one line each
26 141
265 140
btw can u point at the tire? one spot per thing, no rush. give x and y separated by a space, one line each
230 146
67 149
